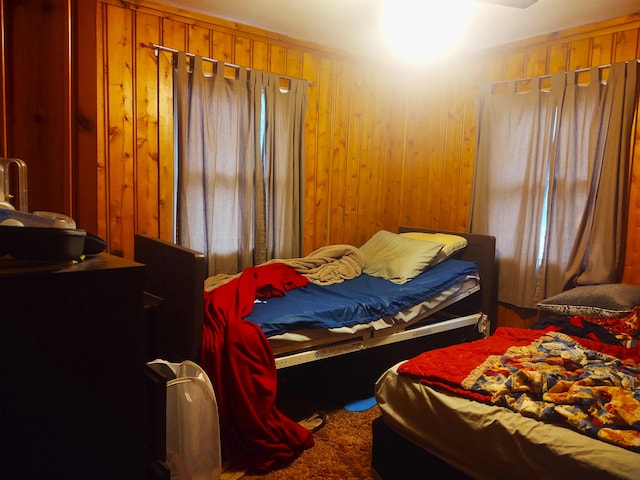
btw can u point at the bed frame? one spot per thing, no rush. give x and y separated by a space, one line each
174 286
482 250
394 457
175 283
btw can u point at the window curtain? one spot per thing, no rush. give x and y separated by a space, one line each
279 224
598 254
543 180
231 188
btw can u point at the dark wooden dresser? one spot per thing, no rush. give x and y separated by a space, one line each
72 400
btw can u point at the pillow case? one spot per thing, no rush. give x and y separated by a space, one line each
397 258
452 243
612 300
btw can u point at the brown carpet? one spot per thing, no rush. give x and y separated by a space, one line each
342 450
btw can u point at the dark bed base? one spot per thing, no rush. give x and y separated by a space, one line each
395 458
334 382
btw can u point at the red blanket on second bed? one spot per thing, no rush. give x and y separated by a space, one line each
586 385
448 367
239 361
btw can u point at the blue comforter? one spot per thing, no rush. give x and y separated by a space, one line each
359 300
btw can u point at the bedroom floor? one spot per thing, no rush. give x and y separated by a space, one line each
343 446
342 450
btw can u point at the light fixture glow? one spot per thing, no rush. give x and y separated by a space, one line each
421 31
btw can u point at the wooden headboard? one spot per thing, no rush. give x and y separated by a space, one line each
482 250
175 275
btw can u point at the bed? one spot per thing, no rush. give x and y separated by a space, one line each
255 332
438 417
176 278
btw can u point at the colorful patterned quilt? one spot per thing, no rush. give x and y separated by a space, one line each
549 376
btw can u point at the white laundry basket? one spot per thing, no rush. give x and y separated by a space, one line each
193 429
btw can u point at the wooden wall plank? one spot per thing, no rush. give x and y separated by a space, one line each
147 192
558 58
418 207
536 62
200 41
602 50
278 59
322 199
395 154
632 256
514 65
580 55
166 148
363 228
626 45
260 56
467 163
378 163
310 71
121 119
406 195
84 93
353 154
243 51
101 122
338 171
435 154
174 34
294 63
38 123
453 155
222 47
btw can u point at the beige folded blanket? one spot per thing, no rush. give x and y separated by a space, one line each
325 266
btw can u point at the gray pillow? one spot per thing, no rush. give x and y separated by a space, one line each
611 300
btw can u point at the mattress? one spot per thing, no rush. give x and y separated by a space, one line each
361 300
385 325
491 442
319 322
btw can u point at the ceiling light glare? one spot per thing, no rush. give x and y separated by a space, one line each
424 31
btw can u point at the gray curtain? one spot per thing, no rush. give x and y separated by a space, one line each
598 254
224 183
279 230
538 181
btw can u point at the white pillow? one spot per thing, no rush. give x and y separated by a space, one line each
396 258
452 243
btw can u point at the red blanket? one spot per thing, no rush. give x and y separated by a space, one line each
238 359
586 385
448 367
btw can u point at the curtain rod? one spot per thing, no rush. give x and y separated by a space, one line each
549 75
207 59
157 48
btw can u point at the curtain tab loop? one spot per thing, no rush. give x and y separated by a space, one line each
184 62
242 74
559 81
196 64
535 84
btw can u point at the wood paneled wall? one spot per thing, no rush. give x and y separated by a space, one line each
385 146
36 97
